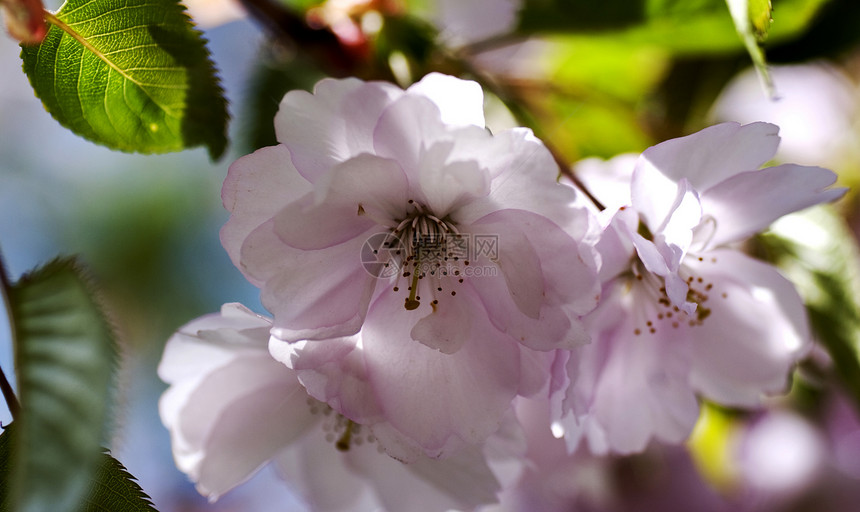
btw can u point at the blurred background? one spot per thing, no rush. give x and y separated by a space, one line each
591 80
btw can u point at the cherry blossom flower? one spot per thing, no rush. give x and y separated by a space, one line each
683 312
232 409
396 212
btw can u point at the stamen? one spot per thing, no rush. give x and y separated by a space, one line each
344 441
411 302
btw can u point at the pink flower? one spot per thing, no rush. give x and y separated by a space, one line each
232 409
683 313
398 214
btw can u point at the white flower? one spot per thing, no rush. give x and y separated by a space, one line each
683 313
231 409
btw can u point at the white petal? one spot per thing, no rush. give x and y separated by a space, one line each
333 124
447 185
233 405
705 158
714 154
321 475
755 332
632 387
751 201
523 175
460 102
312 294
405 129
440 401
256 188
460 482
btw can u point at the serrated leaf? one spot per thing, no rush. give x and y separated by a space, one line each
112 487
64 360
817 251
745 14
132 75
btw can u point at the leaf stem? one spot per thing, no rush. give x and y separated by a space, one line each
5 387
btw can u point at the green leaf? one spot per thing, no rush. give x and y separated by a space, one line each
64 360
112 488
817 251
132 75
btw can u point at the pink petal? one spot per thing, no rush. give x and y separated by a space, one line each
256 188
684 215
268 415
405 130
305 226
749 202
334 372
524 175
378 184
440 401
460 482
705 158
608 180
312 294
631 387
714 154
448 326
354 196
460 102
755 332
333 124
446 185
569 274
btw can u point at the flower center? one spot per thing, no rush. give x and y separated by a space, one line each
427 248
659 312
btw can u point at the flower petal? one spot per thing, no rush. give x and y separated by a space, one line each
524 176
713 154
305 226
705 158
333 371
447 327
440 401
405 129
755 332
234 407
363 192
629 387
333 124
446 185
320 474
751 201
460 102
312 294
257 186
460 482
